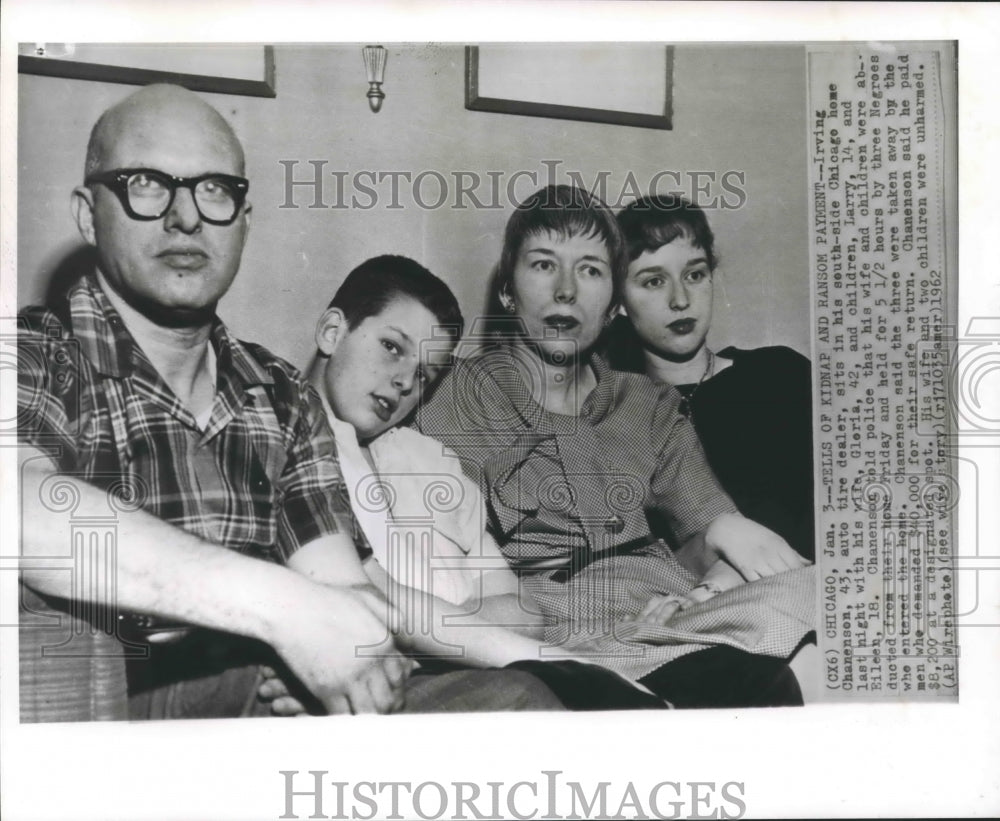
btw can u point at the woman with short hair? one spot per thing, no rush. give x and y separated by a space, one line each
575 460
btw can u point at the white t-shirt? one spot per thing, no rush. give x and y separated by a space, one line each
424 518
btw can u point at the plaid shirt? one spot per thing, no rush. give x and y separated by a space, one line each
262 478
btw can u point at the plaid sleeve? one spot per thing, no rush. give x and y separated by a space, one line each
314 496
53 389
684 489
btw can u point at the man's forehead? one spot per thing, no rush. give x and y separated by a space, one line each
180 135
155 149
177 148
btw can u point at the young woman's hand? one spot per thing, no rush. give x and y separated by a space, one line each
752 549
659 610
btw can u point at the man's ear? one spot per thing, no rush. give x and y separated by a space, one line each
331 328
82 206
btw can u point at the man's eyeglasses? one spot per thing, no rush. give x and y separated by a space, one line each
147 194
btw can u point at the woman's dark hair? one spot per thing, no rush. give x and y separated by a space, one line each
648 224
651 222
377 281
566 211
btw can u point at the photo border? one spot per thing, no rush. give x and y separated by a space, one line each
829 760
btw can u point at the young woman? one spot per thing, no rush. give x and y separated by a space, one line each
574 459
751 408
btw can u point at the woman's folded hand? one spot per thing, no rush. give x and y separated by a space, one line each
661 609
752 549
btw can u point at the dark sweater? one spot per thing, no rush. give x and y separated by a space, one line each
754 420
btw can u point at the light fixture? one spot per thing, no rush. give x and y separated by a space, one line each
375 69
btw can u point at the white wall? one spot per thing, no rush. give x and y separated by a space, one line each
737 107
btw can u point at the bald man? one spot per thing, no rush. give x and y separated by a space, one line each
208 460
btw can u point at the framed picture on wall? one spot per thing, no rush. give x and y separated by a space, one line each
227 69
631 84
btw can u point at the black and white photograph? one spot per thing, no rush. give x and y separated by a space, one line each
496 422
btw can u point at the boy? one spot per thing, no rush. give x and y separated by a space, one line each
382 342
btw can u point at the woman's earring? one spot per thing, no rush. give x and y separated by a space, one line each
507 301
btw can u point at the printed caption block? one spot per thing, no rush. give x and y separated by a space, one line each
886 490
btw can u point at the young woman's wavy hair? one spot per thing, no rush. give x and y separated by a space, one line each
651 222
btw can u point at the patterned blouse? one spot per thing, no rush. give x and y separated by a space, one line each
562 489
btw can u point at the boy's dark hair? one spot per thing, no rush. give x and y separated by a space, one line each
566 211
377 281
651 222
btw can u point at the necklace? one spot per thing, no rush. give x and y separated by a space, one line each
687 396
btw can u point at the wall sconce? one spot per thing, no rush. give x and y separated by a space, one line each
375 69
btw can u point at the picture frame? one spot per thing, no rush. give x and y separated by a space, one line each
646 93
248 70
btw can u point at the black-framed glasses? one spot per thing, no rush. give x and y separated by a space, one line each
147 194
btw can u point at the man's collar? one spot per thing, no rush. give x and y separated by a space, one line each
233 356
99 329
112 350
